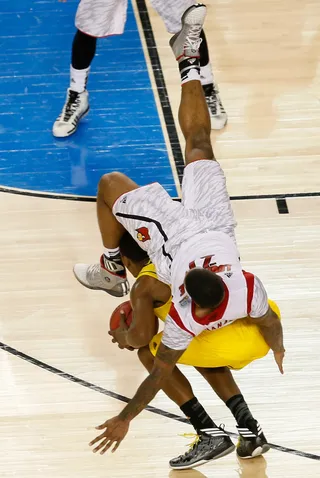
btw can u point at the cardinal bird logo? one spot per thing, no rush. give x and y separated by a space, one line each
143 234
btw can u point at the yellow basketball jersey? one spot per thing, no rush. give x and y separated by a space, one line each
160 312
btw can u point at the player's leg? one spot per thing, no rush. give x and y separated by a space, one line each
213 442
171 12
252 441
109 275
193 112
204 184
94 19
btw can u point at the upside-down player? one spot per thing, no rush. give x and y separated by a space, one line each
191 243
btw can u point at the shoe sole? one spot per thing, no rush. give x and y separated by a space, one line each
110 292
260 450
203 462
75 127
214 127
173 39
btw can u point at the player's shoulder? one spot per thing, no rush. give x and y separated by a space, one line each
144 284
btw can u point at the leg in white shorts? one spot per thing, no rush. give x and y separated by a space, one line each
100 18
204 190
171 12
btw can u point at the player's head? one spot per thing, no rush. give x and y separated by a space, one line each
205 288
133 257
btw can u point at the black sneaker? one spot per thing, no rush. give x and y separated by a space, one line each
251 443
210 444
218 115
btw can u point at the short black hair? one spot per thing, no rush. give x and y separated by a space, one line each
130 249
205 287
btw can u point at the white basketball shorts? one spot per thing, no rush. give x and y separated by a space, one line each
101 18
160 225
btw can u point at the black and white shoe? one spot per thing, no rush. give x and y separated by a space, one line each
217 112
75 108
210 444
251 443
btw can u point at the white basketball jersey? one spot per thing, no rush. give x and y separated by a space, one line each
244 292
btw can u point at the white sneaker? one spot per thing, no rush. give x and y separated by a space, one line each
75 108
217 112
97 277
186 43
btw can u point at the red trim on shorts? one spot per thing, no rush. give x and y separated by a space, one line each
177 320
250 286
216 314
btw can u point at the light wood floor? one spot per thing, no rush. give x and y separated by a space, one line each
266 56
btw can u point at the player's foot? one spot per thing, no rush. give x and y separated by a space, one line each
108 276
217 112
210 444
186 43
75 108
251 443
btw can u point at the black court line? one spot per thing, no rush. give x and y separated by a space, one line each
282 206
69 197
161 87
122 398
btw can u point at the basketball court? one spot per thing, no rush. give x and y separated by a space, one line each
60 374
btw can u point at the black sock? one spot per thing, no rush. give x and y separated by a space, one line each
241 413
83 50
204 51
197 415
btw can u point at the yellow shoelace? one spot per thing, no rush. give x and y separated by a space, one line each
191 435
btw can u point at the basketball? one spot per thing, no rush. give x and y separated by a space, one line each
115 316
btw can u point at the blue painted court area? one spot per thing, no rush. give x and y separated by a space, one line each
122 131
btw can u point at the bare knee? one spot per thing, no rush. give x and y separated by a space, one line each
146 357
113 185
198 146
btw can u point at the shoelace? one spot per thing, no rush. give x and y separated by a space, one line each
71 106
93 271
193 41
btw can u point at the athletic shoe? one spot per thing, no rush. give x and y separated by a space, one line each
217 112
251 443
210 444
186 43
75 108
108 276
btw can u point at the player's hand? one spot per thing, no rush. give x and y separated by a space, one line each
115 431
279 356
119 335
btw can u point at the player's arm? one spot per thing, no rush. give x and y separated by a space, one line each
117 427
143 326
268 322
271 329
165 361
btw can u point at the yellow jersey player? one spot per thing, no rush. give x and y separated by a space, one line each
212 354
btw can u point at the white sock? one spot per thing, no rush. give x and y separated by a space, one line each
206 74
111 254
78 79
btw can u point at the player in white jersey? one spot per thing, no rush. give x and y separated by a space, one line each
102 18
191 243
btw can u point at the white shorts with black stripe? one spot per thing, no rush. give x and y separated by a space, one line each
160 225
